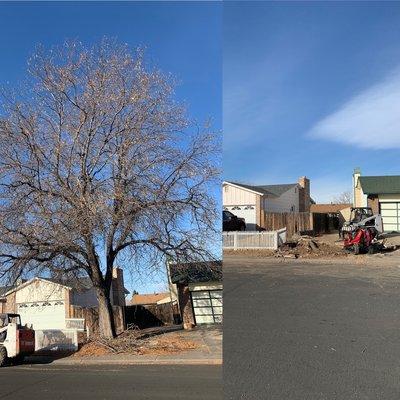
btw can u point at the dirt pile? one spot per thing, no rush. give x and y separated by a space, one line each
308 247
130 342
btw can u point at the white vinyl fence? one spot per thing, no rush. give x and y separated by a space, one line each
254 240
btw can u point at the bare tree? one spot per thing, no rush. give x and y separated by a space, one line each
97 166
343 198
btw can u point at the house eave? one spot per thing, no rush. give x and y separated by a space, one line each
27 283
242 187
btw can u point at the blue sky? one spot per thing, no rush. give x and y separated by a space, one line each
181 38
311 89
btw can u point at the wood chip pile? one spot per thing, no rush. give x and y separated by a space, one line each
130 342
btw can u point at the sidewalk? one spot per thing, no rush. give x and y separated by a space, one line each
209 352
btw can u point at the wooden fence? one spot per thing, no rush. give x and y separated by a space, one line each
152 315
304 222
294 222
91 317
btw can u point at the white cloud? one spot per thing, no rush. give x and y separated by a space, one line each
369 120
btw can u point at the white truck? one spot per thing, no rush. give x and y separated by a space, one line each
16 341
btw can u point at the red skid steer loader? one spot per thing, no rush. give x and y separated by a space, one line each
16 341
361 233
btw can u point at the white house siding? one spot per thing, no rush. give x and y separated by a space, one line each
243 203
232 195
283 203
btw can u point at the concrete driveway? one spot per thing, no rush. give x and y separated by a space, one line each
302 330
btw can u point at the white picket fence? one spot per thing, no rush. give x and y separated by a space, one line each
254 240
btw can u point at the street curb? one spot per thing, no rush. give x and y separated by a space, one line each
140 362
94 361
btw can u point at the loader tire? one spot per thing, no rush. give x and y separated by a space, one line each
371 249
3 356
356 249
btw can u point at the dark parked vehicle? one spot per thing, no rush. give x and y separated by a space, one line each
230 222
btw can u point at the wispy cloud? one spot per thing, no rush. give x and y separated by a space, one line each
369 120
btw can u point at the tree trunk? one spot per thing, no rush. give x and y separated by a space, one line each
106 317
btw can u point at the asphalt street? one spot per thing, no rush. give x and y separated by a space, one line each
310 331
116 382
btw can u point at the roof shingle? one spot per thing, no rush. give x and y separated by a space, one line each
389 184
269 190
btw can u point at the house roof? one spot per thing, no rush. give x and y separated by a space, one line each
268 190
253 188
389 184
278 190
5 289
196 272
152 298
327 208
83 283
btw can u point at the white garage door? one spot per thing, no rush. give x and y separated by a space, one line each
248 212
207 306
43 315
390 216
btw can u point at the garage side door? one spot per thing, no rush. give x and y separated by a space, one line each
43 315
207 306
391 216
248 212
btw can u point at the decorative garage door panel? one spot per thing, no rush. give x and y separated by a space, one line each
248 212
207 306
43 315
391 216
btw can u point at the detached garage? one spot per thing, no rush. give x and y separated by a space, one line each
382 194
198 288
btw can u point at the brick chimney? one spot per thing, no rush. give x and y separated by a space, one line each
118 288
304 194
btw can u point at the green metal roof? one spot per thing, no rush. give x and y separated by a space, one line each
380 184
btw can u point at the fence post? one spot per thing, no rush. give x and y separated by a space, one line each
276 244
235 240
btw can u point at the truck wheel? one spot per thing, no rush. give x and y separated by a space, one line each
3 356
356 249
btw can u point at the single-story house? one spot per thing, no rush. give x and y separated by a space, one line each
197 286
47 304
382 194
252 201
150 299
